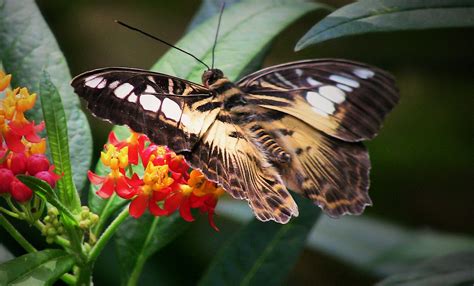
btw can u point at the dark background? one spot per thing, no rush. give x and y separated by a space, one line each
422 160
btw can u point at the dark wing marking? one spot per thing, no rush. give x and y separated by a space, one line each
228 156
169 110
332 173
344 99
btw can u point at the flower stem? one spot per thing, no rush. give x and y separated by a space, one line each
16 235
105 237
141 259
106 213
10 213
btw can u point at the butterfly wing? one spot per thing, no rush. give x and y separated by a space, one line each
228 156
332 173
344 99
171 111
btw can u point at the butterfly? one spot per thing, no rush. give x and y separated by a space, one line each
296 126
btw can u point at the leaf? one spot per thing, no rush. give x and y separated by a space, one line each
27 47
262 253
452 269
389 15
374 245
44 190
239 40
208 9
38 268
56 127
138 239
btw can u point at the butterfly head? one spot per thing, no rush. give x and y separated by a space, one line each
210 76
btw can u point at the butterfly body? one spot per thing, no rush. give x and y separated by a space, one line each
295 126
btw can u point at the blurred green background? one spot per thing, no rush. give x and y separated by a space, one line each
422 175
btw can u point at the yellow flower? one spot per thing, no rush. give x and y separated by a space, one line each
4 80
114 158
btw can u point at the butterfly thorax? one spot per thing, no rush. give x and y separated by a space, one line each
225 90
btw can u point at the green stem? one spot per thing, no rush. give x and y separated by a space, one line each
69 279
137 270
105 214
105 237
16 235
10 213
11 205
84 277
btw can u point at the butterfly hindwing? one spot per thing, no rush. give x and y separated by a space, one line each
332 173
344 99
169 110
227 155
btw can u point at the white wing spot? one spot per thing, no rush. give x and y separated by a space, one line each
95 82
150 78
171 109
344 87
299 72
185 120
284 80
320 104
150 102
170 86
123 90
313 82
150 89
332 93
114 84
364 73
132 97
344 80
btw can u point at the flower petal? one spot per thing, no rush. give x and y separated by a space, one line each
123 190
138 206
185 210
107 189
95 179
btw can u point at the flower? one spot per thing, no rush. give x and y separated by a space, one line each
134 142
166 185
155 186
21 148
116 159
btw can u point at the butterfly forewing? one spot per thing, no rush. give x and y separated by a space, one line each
169 110
344 99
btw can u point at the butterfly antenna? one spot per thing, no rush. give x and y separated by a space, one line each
217 32
160 40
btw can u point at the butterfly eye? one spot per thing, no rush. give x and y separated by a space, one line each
211 76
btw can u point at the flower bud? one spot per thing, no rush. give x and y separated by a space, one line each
37 163
20 192
18 163
6 178
47 177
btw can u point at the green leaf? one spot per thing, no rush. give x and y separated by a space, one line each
374 245
247 27
56 127
38 268
453 269
381 247
389 15
262 253
44 190
208 9
27 48
138 239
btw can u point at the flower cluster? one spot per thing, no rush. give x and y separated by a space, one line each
21 148
166 185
